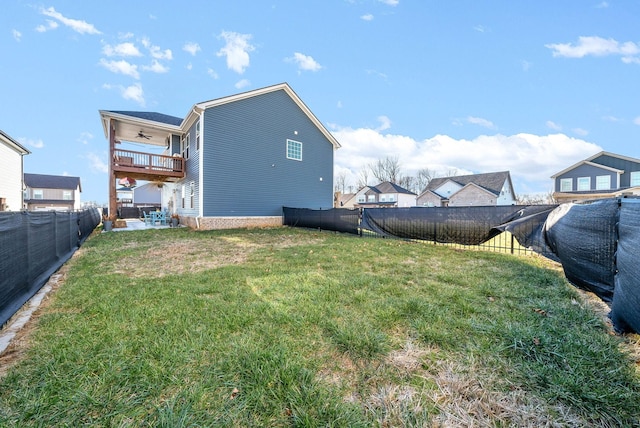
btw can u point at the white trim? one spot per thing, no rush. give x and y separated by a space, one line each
201 167
588 182
282 86
565 180
600 178
586 162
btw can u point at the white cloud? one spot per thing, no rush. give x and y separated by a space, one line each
85 137
531 159
242 83
367 17
602 5
596 46
479 28
236 50
51 25
581 132
134 93
121 67
385 123
16 35
97 164
304 62
481 122
192 48
637 120
76 25
122 49
390 2
526 65
155 67
552 125
155 51
189 66
211 72
36 144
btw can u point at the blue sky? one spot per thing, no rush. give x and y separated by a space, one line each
476 86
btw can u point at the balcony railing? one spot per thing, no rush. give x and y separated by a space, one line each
147 166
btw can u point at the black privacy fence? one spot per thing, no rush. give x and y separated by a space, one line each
33 245
597 243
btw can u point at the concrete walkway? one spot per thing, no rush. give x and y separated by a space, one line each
137 224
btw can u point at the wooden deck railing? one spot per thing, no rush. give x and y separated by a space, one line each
127 161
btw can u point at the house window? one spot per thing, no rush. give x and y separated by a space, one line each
635 178
566 184
67 195
294 150
192 194
362 198
185 145
198 135
371 198
184 194
603 182
38 194
584 183
391 198
383 198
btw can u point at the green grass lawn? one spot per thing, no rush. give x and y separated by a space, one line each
289 327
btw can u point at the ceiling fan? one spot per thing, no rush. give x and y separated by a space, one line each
142 135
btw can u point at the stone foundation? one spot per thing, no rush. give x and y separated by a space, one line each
213 223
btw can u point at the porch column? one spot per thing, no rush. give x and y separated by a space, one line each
113 206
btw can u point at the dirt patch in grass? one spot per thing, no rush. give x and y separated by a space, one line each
195 255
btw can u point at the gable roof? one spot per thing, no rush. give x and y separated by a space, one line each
13 143
389 187
490 181
589 161
256 92
42 181
157 125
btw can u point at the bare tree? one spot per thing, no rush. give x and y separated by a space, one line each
423 179
363 178
387 169
340 182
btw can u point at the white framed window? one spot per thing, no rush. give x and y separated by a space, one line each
184 195
186 141
566 184
192 194
383 198
67 195
38 194
584 183
603 182
198 135
362 198
635 178
391 198
294 150
371 198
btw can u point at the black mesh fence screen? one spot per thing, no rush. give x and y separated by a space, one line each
336 219
597 243
33 245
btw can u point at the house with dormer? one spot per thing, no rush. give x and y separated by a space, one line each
384 195
603 175
488 189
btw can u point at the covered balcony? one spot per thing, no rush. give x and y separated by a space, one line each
147 166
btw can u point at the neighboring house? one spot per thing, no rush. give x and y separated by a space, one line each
125 196
603 175
52 192
385 194
148 195
230 162
493 188
11 173
344 200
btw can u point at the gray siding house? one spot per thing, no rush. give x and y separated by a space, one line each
603 175
492 188
244 157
